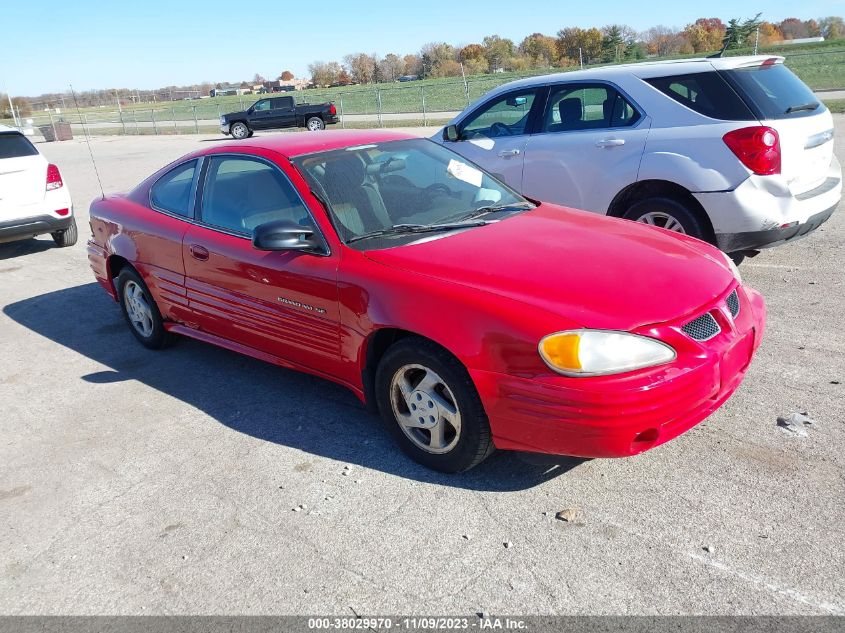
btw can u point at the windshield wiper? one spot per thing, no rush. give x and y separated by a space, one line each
805 106
517 206
416 228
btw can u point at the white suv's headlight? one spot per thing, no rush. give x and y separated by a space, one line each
600 352
733 267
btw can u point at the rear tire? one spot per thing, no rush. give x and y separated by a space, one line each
68 236
239 130
431 407
315 124
140 310
670 214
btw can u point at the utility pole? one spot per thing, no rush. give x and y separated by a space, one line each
581 57
756 40
12 106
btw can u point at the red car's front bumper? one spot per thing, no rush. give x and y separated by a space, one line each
619 416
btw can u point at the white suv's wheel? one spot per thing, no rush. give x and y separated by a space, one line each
66 237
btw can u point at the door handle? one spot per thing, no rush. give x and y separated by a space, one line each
507 153
199 252
610 142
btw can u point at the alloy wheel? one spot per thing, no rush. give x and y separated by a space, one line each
663 220
425 408
138 308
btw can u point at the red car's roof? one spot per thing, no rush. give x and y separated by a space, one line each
297 143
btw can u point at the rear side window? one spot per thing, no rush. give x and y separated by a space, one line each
706 93
280 103
15 145
172 192
774 91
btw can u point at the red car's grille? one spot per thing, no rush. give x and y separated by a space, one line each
703 328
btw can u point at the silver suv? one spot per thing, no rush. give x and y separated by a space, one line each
737 151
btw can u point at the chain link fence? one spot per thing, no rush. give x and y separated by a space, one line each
412 104
427 102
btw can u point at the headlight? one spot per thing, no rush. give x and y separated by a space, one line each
733 267
222 120
599 352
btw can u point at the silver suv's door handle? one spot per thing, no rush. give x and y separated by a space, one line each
507 153
610 142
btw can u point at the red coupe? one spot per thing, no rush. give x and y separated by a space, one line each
468 316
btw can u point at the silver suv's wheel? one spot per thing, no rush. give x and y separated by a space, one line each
315 124
663 220
671 214
239 130
431 407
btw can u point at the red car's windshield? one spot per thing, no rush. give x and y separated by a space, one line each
372 188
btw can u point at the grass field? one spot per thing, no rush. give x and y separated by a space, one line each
820 65
836 105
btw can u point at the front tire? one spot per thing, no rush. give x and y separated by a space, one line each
239 130
431 407
67 237
669 214
140 310
315 124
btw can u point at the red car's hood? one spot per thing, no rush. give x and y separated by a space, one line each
596 271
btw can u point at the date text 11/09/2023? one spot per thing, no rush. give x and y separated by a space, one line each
483 622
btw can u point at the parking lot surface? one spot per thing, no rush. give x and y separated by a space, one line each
195 480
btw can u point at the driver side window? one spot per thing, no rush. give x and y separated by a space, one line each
240 193
262 105
504 116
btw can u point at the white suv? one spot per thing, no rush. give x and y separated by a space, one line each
33 198
736 151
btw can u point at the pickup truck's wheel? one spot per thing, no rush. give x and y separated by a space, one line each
669 214
66 237
239 130
140 310
315 124
430 405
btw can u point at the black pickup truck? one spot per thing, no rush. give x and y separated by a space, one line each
277 112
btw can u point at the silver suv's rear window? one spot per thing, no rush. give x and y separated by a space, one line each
706 93
15 145
774 91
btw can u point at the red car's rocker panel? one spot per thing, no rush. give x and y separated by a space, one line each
487 294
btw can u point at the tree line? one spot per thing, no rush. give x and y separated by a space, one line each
572 46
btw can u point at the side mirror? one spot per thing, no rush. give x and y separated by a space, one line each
450 133
285 235
250 109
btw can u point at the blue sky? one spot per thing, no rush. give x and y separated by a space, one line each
155 43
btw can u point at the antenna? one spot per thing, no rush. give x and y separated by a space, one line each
87 141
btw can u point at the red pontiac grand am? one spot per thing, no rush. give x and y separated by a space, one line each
468 316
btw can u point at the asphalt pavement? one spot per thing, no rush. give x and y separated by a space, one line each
195 480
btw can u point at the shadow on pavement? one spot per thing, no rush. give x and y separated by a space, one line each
252 397
8 250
